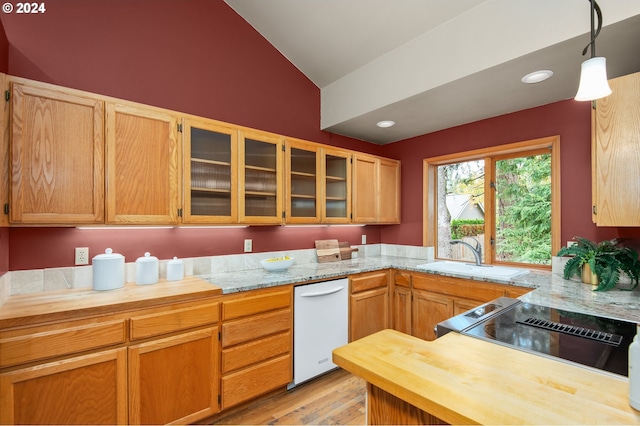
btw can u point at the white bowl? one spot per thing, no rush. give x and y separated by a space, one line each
277 263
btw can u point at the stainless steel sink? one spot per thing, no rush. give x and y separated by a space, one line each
471 270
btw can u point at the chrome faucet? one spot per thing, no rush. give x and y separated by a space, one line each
477 250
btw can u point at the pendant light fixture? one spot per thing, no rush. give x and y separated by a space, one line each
593 75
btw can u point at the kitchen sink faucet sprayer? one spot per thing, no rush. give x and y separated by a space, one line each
477 250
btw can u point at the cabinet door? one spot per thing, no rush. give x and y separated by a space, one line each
57 157
210 172
402 309
389 191
260 178
88 389
174 379
303 188
514 291
368 312
336 169
463 305
365 199
142 165
616 162
428 309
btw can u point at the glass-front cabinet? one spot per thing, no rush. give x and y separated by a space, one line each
210 172
260 177
303 185
336 207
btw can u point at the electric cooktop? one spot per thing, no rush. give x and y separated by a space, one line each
594 341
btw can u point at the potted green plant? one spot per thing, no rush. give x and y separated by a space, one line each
606 260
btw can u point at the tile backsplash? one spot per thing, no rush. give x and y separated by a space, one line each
52 279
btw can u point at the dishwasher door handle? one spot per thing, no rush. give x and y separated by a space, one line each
322 293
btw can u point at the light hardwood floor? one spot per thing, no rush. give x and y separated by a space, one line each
337 398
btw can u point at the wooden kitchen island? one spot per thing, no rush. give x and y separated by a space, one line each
458 379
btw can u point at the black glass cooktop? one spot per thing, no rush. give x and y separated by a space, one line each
594 341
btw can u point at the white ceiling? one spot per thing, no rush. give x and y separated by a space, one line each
434 64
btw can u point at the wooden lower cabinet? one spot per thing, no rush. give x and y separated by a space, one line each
257 344
174 380
86 389
150 366
434 298
368 303
402 310
428 309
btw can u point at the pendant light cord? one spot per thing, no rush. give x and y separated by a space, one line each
594 32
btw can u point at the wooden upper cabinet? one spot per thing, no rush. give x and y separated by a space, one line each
303 186
376 189
143 177
615 155
75 158
365 178
57 156
210 172
336 186
260 178
389 191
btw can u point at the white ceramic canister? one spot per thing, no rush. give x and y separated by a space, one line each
175 269
108 270
147 269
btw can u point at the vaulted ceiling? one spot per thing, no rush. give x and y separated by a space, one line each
434 64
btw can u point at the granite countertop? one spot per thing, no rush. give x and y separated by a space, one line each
548 289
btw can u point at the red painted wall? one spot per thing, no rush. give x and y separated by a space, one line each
4 50
33 248
193 56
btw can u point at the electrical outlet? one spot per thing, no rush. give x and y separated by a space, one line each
82 255
364 239
570 243
248 246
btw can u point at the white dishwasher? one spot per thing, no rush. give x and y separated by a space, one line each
320 324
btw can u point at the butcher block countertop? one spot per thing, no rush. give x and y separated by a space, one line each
463 380
34 308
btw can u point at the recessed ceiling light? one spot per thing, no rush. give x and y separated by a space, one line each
537 76
385 123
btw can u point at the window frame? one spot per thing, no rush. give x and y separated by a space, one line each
490 154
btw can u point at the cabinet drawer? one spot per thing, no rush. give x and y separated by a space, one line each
458 287
369 281
253 352
167 322
244 306
402 278
255 327
46 344
256 380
